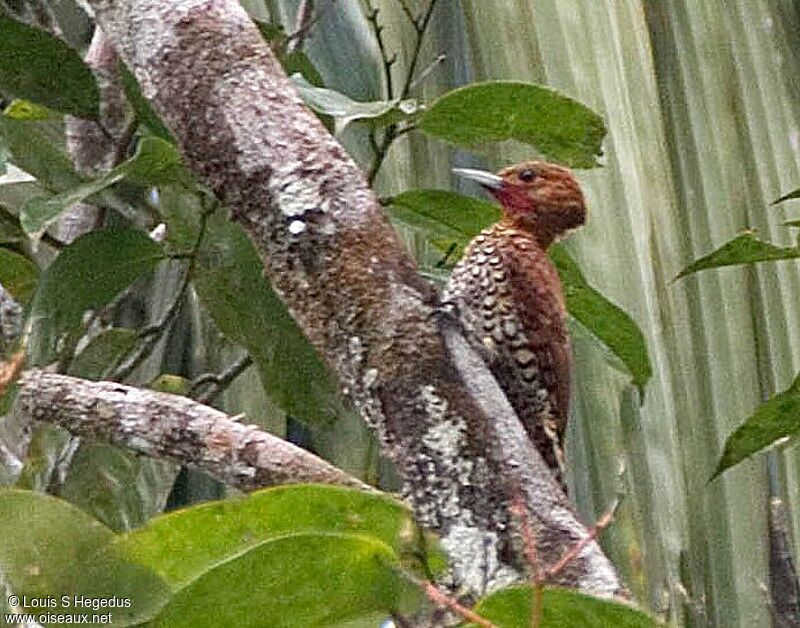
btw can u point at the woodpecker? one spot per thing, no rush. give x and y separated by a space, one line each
510 302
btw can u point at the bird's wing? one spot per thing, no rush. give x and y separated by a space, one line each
538 298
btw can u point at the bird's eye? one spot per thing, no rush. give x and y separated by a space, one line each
527 175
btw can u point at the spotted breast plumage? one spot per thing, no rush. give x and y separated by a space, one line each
510 302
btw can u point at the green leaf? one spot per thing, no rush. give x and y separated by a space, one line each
26 110
145 114
7 399
86 275
40 212
33 150
346 110
602 318
40 67
512 608
201 537
32 522
787 197
116 486
776 418
744 249
300 580
230 282
51 549
156 162
273 34
10 231
558 127
12 198
298 62
792 223
438 213
172 384
18 275
103 353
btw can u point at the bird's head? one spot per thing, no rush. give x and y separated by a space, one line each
541 198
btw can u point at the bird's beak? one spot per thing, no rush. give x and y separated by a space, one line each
486 179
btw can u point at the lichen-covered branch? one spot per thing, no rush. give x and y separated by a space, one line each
96 146
172 427
335 260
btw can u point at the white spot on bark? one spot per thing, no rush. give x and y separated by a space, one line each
356 349
159 233
370 377
297 227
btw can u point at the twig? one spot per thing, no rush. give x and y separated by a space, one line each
150 335
303 24
442 600
539 576
427 71
409 14
388 62
528 536
576 549
392 132
380 151
421 26
219 382
532 556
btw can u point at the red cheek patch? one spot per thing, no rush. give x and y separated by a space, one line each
514 200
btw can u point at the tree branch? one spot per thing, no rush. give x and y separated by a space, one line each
172 427
333 257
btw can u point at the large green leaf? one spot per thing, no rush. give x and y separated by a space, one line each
229 527
744 249
42 68
51 549
441 214
559 127
561 608
229 279
18 275
86 275
605 320
29 522
308 579
775 419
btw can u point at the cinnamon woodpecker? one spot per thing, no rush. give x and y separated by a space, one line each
510 301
